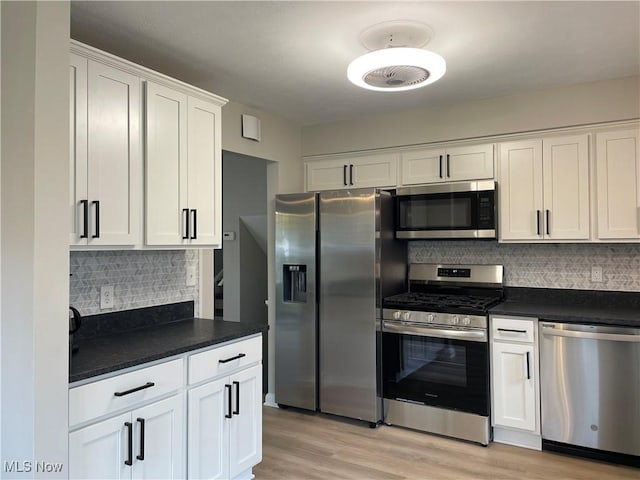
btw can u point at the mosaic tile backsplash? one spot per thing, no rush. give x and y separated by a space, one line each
139 278
542 265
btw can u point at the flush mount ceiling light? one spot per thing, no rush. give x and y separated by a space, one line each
397 63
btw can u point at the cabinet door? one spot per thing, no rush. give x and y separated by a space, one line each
208 430
166 166
114 156
565 167
158 448
469 163
78 149
374 171
513 388
327 175
99 451
204 173
618 184
423 166
521 190
245 435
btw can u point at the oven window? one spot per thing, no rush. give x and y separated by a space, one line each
436 212
437 361
436 371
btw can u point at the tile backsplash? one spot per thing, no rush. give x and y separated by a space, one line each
139 278
542 265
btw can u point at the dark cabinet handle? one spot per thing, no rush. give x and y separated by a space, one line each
227 360
440 166
194 233
129 460
137 389
548 228
85 218
511 330
185 222
448 171
344 175
237 410
538 221
141 455
528 369
229 413
97 204
350 174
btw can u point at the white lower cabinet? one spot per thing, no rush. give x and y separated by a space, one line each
515 396
147 442
149 423
225 426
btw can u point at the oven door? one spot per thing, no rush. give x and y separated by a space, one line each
441 367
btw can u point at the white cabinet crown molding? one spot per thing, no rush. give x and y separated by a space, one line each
143 72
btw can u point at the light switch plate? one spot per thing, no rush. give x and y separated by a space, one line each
596 274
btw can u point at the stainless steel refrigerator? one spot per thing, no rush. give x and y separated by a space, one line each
336 258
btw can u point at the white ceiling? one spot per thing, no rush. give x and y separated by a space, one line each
290 58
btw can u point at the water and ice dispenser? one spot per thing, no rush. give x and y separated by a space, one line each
294 283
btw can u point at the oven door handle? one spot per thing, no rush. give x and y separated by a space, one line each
409 328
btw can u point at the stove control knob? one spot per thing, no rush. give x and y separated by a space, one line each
455 320
396 315
466 321
406 316
430 318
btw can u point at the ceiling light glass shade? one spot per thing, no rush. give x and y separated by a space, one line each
396 69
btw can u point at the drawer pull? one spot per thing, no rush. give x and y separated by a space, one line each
129 460
227 360
511 330
137 389
141 455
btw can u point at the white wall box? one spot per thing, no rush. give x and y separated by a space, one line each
618 184
105 162
158 415
447 165
362 171
544 189
515 392
183 175
183 169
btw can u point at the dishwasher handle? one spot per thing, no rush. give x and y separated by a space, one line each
551 330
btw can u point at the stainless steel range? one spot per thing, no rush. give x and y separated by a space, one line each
436 351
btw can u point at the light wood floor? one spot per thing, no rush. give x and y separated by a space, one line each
298 445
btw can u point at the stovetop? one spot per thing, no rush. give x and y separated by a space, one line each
435 302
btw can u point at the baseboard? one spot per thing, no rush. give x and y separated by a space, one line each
517 438
270 400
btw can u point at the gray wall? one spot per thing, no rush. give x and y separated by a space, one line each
35 234
244 193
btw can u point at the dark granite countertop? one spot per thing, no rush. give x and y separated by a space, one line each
107 353
572 306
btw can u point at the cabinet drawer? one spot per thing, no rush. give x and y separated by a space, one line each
221 360
96 399
512 330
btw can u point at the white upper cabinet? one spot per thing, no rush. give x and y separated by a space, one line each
376 170
447 165
183 169
618 184
544 189
106 162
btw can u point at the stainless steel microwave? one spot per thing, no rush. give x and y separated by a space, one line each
447 210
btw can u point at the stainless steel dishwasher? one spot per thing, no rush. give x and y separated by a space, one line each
590 389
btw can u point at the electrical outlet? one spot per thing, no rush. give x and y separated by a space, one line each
106 296
596 274
191 276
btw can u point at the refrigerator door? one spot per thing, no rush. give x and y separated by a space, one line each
347 310
296 322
